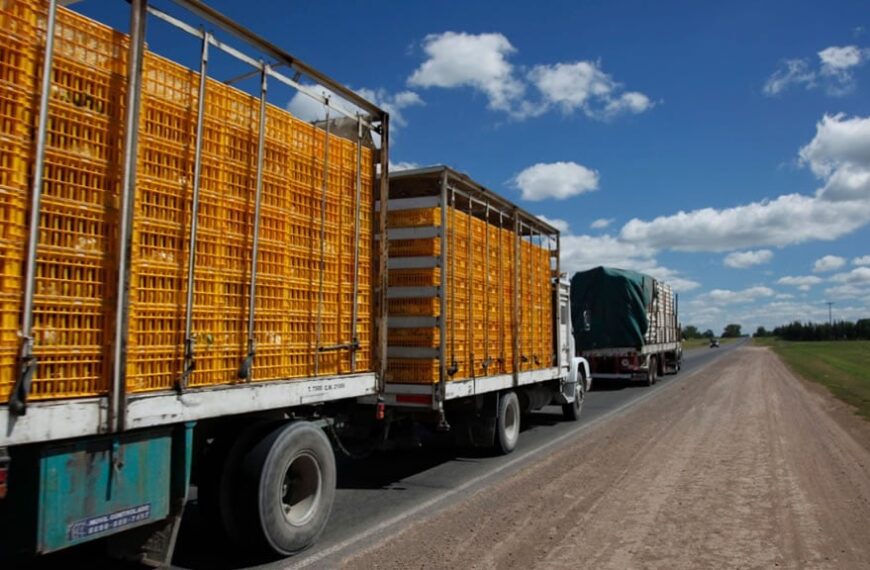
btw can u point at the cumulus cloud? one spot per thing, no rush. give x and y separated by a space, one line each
729 297
865 260
828 263
839 155
601 223
479 61
857 275
560 225
583 86
802 282
744 259
403 165
581 252
482 62
308 109
835 71
557 180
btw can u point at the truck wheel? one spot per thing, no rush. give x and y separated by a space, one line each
507 423
651 372
292 474
572 411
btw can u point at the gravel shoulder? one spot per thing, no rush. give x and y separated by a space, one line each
739 465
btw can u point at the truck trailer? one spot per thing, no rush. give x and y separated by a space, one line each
626 325
200 289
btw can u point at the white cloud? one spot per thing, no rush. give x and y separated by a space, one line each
786 220
828 263
729 297
834 72
857 275
308 109
865 260
584 252
802 282
839 154
601 223
403 165
560 225
792 72
557 180
582 85
478 61
783 296
482 62
744 259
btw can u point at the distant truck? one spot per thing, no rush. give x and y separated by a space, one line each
626 325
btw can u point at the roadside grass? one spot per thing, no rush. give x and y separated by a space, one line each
842 366
699 342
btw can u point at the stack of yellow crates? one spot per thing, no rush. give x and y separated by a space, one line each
480 299
79 219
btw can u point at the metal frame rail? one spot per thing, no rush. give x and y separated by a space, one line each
369 116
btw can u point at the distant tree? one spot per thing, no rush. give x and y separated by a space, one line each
691 331
731 331
761 332
709 334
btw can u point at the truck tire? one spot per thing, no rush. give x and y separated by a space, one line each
291 476
507 430
572 411
651 372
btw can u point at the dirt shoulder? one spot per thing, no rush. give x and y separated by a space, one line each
738 466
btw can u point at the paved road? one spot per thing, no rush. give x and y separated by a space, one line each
376 495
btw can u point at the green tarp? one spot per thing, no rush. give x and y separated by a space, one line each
609 308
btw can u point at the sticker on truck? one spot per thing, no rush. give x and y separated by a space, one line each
103 523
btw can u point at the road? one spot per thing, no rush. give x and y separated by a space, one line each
381 495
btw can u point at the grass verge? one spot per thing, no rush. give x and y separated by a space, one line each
842 366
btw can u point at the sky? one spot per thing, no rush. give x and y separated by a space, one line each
722 147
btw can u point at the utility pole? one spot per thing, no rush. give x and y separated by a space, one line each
830 314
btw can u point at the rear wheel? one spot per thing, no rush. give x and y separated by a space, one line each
291 474
507 423
572 411
652 372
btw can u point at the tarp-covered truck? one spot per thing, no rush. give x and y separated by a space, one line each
626 324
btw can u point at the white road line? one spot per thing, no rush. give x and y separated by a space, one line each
314 558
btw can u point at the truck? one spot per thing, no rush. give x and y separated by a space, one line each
626 325
199 289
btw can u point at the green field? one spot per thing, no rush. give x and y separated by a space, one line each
705 342
842 366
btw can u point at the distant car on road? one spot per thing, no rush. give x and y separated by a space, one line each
714 343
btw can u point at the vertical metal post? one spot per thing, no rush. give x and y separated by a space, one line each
516 316
322 265
501 278
246 370
118 393
354 339
453 364
189 363
18 398
442 318
486 293
470 284
384 194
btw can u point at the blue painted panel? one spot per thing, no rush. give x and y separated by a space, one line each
98 487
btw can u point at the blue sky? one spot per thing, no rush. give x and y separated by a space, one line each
627 113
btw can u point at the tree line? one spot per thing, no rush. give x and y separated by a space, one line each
730 331
838 330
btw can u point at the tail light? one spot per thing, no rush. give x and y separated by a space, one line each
4 472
